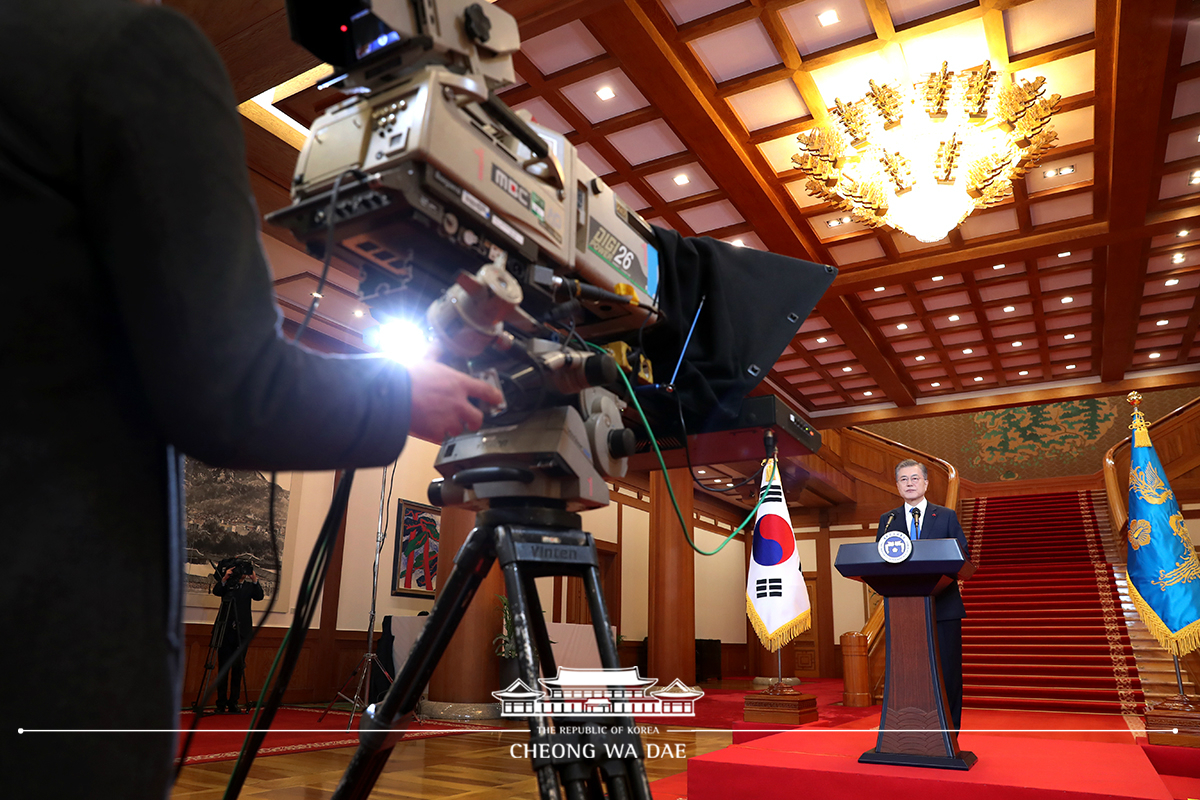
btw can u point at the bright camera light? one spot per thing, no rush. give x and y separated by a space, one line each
401 340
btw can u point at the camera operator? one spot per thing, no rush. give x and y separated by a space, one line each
146 328
239 586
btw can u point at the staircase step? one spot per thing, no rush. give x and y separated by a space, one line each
1046 671
1027 704
1026 639
1109 694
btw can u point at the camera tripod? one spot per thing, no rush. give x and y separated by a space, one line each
531 538
212 658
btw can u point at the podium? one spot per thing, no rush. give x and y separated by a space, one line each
914 726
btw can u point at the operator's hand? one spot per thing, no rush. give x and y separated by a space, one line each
228 572
441 398
253 576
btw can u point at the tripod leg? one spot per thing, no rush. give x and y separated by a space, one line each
377 737
520 602
215 640
541 637
635 768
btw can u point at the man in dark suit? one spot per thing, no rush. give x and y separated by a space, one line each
238 591
921 519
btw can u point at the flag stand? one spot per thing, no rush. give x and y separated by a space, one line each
1175 720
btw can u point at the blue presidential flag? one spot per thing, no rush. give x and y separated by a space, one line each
1164 572
776 597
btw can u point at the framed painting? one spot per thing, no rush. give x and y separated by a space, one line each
415 563
227 517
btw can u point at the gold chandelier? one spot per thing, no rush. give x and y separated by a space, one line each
922 160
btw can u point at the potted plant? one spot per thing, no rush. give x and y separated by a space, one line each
506 645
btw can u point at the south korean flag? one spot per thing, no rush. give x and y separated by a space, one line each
776 598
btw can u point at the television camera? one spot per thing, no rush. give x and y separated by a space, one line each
457 210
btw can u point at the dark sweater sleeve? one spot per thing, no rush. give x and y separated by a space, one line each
168 205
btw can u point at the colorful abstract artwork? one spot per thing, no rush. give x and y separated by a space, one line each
415 565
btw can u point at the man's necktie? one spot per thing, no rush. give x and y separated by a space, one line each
916 529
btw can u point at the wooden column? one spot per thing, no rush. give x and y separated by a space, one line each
671 612
470 669
857 674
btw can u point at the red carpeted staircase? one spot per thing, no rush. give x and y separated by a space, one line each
1044 627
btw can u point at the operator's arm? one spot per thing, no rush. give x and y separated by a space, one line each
222 586
169 207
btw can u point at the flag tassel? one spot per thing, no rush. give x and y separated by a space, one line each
774 640
1177 643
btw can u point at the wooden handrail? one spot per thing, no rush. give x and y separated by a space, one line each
1117 495
952 480
874 628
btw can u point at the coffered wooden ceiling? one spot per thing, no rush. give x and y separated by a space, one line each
1083 284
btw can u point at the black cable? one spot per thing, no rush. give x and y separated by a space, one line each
330 224
310 591
687 451
244 645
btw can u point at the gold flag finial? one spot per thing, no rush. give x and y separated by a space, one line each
1141 434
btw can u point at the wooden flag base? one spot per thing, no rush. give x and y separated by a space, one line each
1177 713
787 707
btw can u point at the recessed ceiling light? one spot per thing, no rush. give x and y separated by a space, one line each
358 312
967 351
832 223
935 384
1069 336
1050 173
880 288
738 243
1172 281
701 472
605 93
1067 299
1195 178
845 220
920 358
847 369
954 317
1067 170
902 327
1155 355
317 295
1162 322
1009 309
1023 372
1016 344
821 340
937 277
998 266
978 378
828 18
1181 234
1070 366
681 179
866 394
1064 255
1178 258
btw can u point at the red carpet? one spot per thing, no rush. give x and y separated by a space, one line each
294 730
1044 629
825 764
722 709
